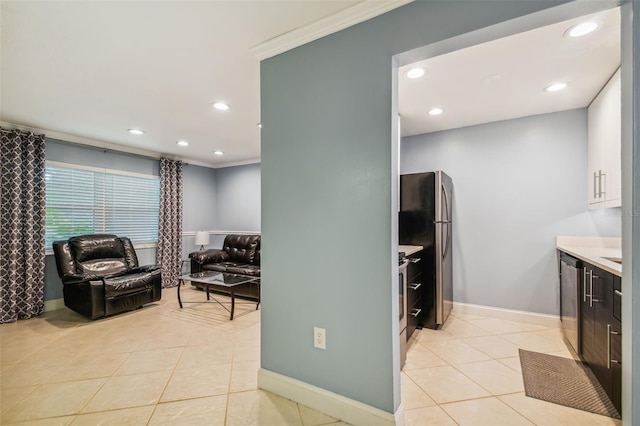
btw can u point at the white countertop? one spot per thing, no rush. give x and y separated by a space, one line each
595 250
409 250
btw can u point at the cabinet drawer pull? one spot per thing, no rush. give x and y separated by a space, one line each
415 260
416 312
415 286
609 333
609 346
618 293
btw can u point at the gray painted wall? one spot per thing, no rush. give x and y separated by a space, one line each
238 198
95 157
199 204
517 185
630 54
239 186
327 184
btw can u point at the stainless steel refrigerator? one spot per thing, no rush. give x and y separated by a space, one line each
425 219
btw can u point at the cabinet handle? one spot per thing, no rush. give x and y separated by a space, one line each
584 285
416 312
595 191
591 295
602 192
618 293
415 286
414 260
591 289
609 333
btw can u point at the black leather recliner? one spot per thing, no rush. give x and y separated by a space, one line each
101 276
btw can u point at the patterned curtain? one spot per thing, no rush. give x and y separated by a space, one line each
22 222
170 229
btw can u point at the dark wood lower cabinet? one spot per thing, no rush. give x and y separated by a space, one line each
600 330
414 293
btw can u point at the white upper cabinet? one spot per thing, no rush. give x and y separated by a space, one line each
604 134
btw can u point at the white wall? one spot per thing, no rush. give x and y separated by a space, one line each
517 185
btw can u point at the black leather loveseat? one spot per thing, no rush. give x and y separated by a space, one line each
240 254
101 276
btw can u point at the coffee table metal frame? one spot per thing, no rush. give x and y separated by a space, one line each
212 278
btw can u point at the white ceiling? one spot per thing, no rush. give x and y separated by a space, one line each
93 70
88 71
459 82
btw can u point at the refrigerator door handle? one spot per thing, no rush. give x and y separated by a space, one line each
447 221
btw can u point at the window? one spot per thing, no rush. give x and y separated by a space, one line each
87 200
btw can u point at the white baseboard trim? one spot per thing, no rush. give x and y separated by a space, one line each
507 314
332 404
53 305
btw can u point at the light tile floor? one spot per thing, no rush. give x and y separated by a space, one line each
469 373
164 365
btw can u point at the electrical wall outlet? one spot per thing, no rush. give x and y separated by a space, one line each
319 338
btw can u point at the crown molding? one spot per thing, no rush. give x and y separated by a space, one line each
237 163
345 18
81 140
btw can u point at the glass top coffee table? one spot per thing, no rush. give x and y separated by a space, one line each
212 279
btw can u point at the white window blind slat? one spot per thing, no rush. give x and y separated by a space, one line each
81 201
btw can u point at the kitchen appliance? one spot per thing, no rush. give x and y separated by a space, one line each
570 271
402 300
425 219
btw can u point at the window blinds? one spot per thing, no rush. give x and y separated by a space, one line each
83 200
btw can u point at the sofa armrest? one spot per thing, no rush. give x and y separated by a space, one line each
80 278
145 268
209 256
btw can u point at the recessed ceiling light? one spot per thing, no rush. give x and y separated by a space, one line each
414 73
435 111
136 131
183 143
221 106
555 87
218 152
581 29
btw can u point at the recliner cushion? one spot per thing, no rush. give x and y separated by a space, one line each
127 284
104 267
99 246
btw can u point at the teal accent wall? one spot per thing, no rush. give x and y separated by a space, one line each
328 183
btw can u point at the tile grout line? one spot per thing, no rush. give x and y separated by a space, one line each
492 395
164 389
